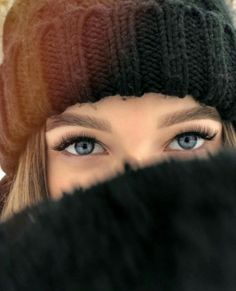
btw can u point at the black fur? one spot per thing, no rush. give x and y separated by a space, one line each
167 227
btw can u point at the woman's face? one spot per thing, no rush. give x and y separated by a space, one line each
141 130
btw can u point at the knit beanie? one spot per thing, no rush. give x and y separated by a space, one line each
61 52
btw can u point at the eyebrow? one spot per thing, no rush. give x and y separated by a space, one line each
200 112
74 119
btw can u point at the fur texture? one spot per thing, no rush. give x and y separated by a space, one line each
168 227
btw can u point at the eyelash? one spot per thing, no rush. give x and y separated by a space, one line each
68 139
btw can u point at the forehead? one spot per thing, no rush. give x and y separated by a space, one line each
101 115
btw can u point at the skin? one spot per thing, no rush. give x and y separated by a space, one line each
135 137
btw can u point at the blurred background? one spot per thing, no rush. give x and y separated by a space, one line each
6 4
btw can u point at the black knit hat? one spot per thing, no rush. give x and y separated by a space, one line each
60 52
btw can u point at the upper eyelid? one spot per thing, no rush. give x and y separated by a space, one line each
186 129
183 129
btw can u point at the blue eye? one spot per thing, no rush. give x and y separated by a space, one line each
192 140
80 145
187 142
85 147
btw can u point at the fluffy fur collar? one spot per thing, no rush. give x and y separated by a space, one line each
167 227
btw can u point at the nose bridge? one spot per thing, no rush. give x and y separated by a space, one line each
137 161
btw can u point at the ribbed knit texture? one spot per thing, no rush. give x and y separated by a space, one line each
58 53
